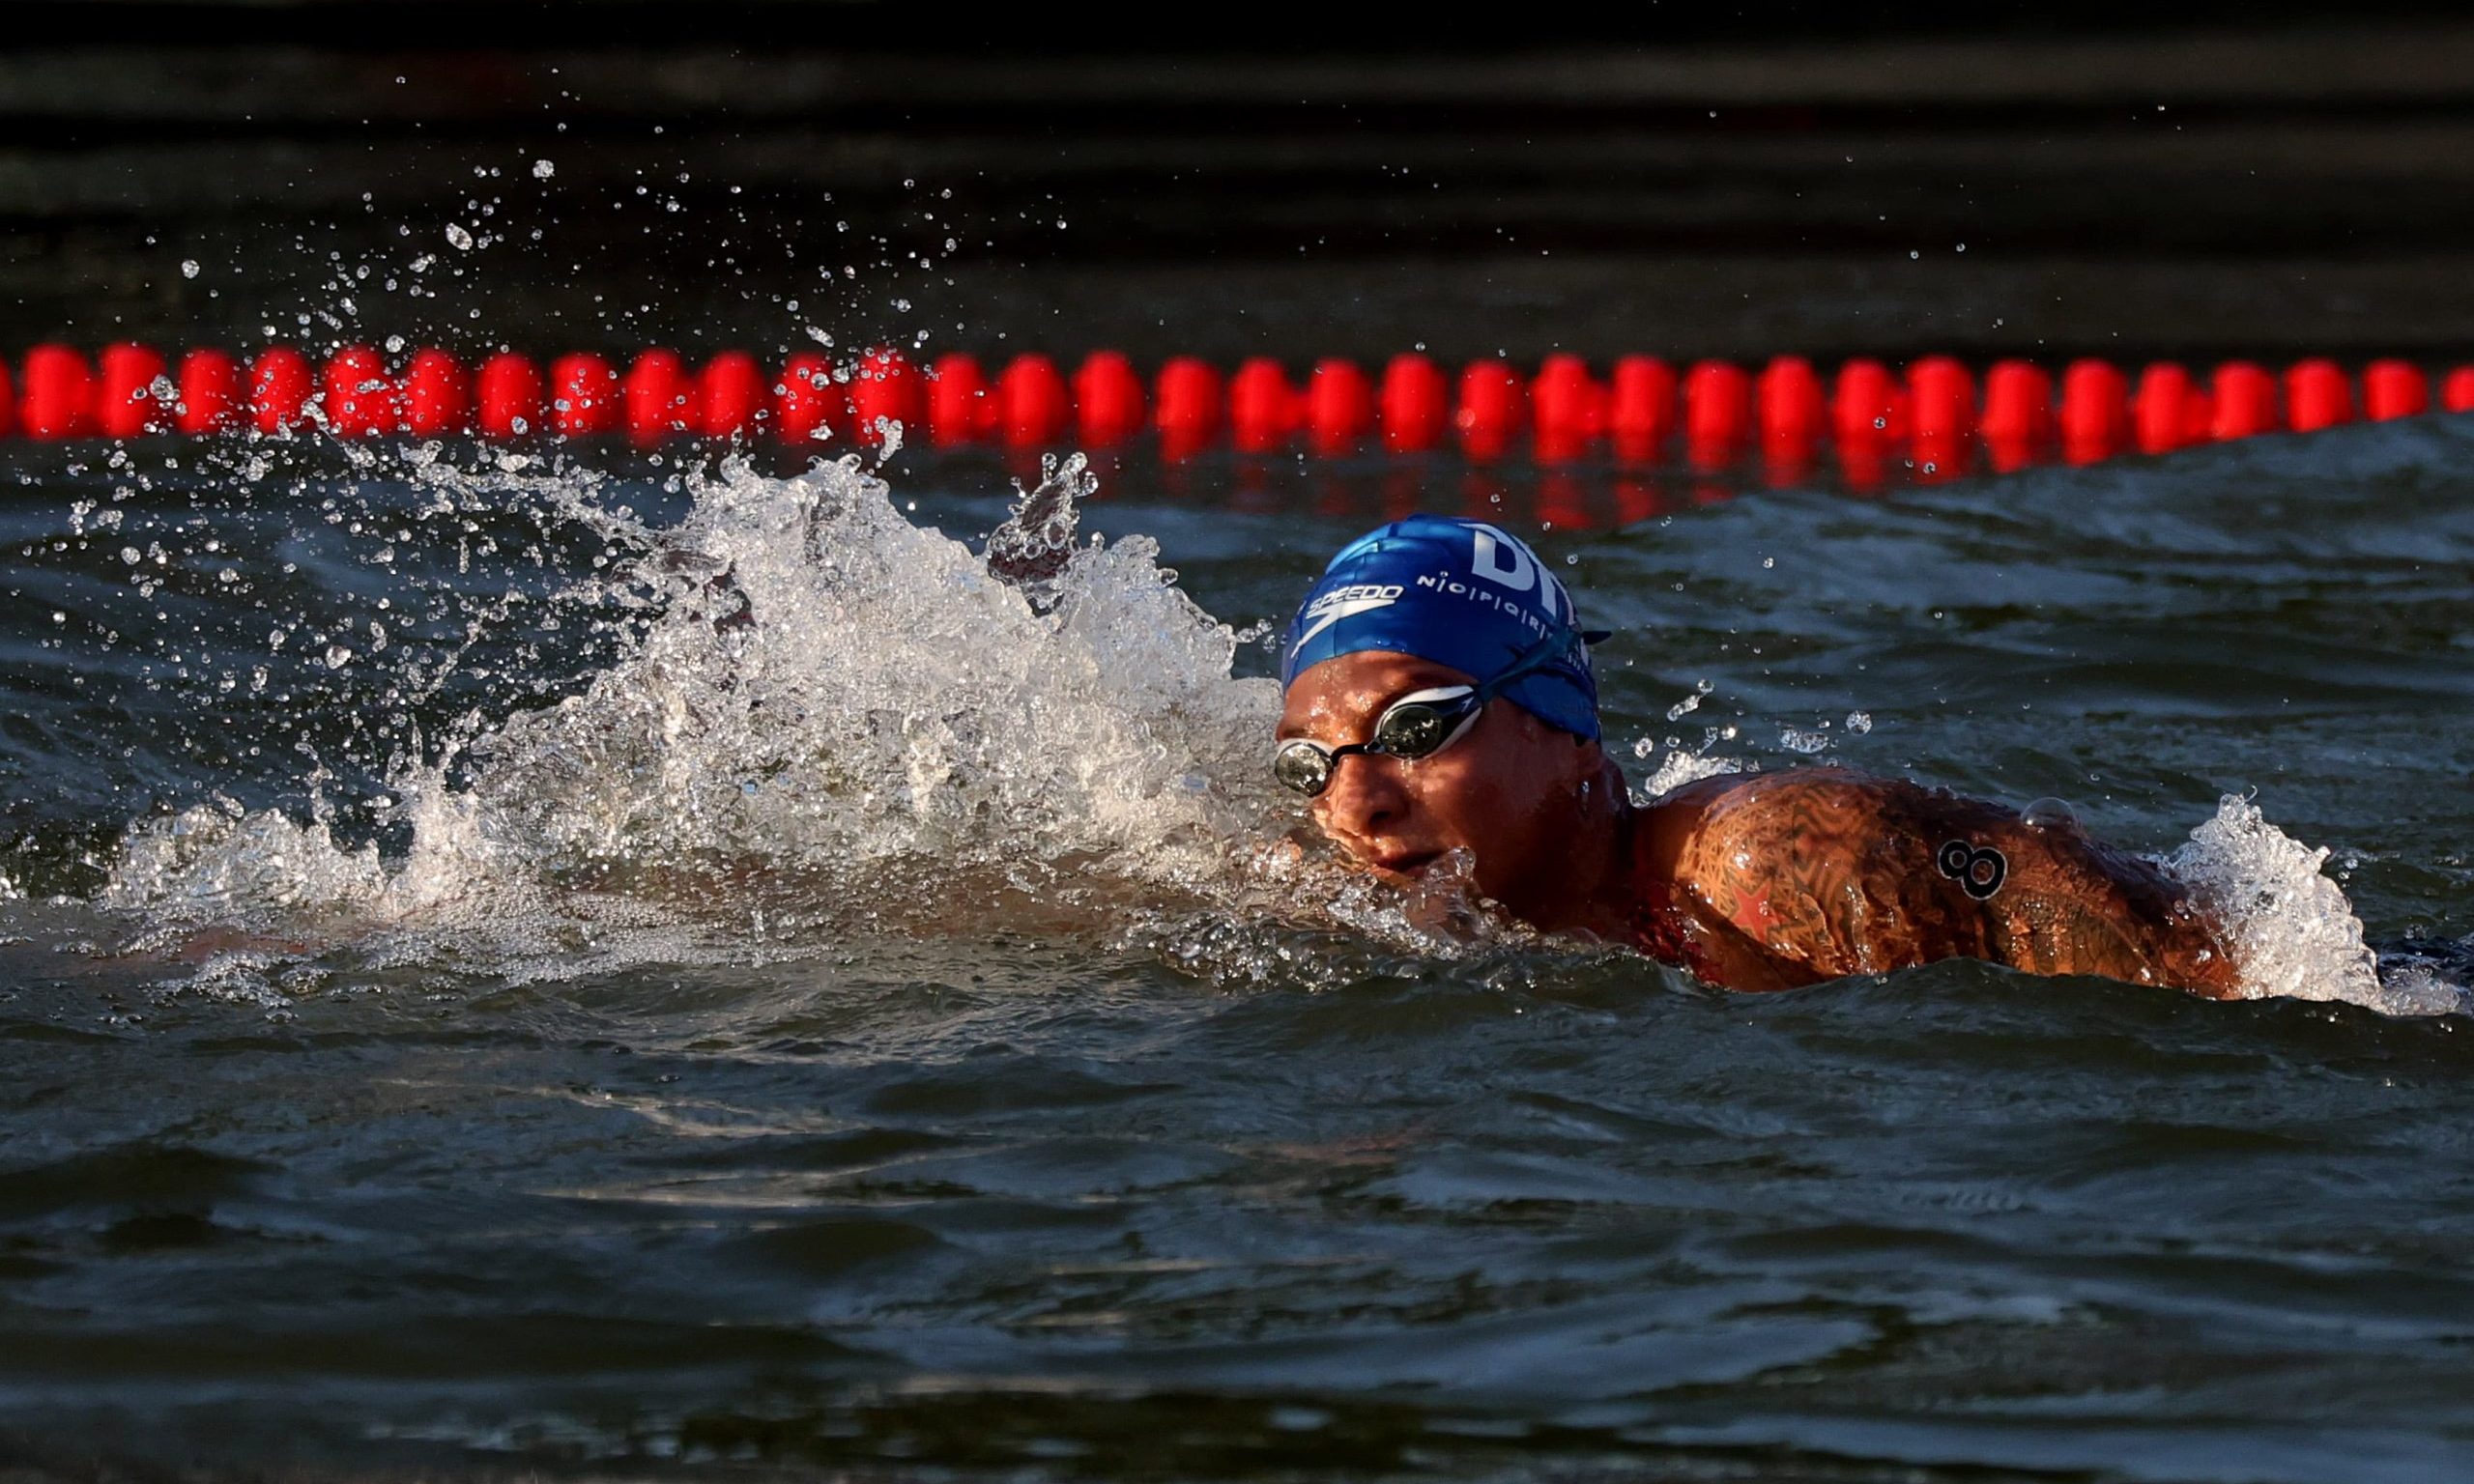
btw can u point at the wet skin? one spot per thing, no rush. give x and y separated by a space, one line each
1760 881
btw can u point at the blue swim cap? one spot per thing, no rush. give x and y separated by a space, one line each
1458 592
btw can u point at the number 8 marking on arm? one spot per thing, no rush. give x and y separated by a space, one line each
1978 869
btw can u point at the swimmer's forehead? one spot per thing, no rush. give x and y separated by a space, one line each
1346 693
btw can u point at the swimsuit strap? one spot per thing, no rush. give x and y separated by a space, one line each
1659 931
1657 926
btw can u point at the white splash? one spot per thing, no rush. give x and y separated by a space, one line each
2292 932
1678 768
835 719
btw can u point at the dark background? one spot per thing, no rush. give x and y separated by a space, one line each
1737 180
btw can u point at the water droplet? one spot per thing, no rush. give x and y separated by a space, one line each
2046 812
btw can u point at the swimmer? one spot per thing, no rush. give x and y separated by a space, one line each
1439 698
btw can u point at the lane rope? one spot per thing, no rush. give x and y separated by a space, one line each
1936 412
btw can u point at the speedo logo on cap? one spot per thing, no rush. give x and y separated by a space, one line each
1345 602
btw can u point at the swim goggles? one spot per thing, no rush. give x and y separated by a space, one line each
1419 724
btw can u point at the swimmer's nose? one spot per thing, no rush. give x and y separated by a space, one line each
1363 800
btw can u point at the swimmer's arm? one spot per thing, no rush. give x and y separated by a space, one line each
2070 903
1824 874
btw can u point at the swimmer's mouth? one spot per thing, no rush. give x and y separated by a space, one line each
1407 863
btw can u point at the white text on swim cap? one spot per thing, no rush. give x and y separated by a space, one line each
1502 603
1519 577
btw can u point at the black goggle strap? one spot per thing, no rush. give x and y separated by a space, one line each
1536 657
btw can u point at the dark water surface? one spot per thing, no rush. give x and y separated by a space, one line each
962 1186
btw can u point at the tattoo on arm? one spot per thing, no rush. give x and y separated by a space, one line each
1832 874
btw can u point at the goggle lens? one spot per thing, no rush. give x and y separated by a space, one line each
1413 730
1304 767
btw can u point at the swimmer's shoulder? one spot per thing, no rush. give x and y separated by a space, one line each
1814 871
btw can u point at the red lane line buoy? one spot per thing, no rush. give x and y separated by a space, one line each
281 387
585 397
509 398
2017 423
731 396
1793 417
1942 392
1107 399
2395 388
1493 408
1415 405
1717 414
2161 409
126 400
885 393
2456 391
1641 408
1339 407
809 404
59 395
1031 402
1262 408
361 400
1189 406
1568 407
659 398
209 398
2095 412
2245 398
1940 395
436 395
1868 414
1865 408
2316 395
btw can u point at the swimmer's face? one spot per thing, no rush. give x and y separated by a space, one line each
1506 791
